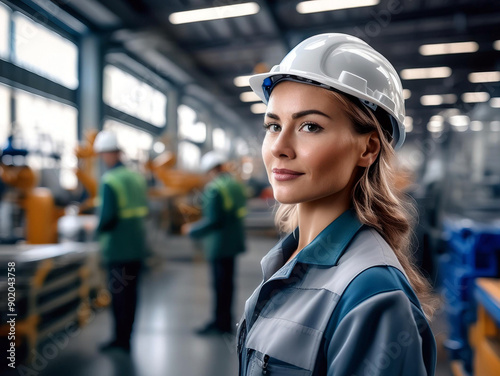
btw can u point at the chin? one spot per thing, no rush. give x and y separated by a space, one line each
288 199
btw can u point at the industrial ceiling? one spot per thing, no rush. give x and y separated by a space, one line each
210 54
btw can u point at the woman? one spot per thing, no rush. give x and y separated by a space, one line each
339 293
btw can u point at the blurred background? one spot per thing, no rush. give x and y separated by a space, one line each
173 85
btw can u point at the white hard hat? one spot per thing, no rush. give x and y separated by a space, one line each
106 141
344 63
212 159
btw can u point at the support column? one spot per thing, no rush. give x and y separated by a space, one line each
171 129
90 90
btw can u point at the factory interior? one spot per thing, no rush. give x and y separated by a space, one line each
171 80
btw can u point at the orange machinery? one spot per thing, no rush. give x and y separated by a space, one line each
37 202
86 171
177 185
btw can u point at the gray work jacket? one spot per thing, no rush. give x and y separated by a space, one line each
342 307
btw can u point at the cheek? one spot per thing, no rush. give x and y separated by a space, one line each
332 165
266 152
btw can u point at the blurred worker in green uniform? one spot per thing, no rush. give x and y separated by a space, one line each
123 207
222 233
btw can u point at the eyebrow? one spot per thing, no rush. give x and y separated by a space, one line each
299 114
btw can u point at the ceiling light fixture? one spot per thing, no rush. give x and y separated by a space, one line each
242 81
476 126
408 124
425 73
258 108
249 96
435 126
475 97
214 13
495 102
437 99
406 93
448 48
496 45
315 6
480 77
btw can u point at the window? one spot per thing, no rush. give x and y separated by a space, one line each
189 128
241 147
136 144
44 52
189 156
220 140
47 128
4 114
134 97
4 31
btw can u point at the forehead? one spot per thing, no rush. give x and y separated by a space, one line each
289 96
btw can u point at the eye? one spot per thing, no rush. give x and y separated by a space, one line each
272 127
311 128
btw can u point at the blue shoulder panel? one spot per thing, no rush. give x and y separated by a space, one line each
373 281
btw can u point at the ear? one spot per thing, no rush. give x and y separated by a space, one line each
370 149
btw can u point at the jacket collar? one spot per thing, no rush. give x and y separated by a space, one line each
325 250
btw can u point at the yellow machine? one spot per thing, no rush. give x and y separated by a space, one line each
177 185
176 182
485 334
37 202
86 171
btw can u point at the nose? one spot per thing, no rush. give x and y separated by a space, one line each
283 145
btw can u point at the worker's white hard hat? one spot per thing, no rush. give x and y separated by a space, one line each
346 64
211 160
106 141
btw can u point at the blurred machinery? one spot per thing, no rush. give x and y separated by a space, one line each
179 191
22 194
86 172
468 209
56 284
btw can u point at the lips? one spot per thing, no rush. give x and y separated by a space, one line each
283 174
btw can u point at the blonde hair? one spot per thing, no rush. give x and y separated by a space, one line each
377 201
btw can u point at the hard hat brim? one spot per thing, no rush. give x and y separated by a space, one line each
257 85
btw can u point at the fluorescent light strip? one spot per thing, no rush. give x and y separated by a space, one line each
437 99
495 102
434 126
425 73
242 81
258 108
406 93
496 45
459 121
249 96
475 97
214 13
408 124
476 126
448 48
316 6
479 77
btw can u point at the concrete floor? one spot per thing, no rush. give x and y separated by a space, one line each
175 299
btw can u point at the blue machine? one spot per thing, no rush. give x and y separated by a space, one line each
472 251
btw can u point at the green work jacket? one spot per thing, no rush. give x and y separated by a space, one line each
124 206
222 229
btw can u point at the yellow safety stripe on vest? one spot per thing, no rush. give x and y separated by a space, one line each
120 193
124 211
226 198
138 212
241 212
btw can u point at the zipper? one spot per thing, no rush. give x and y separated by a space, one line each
265 364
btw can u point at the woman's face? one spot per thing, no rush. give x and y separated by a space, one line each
310 150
